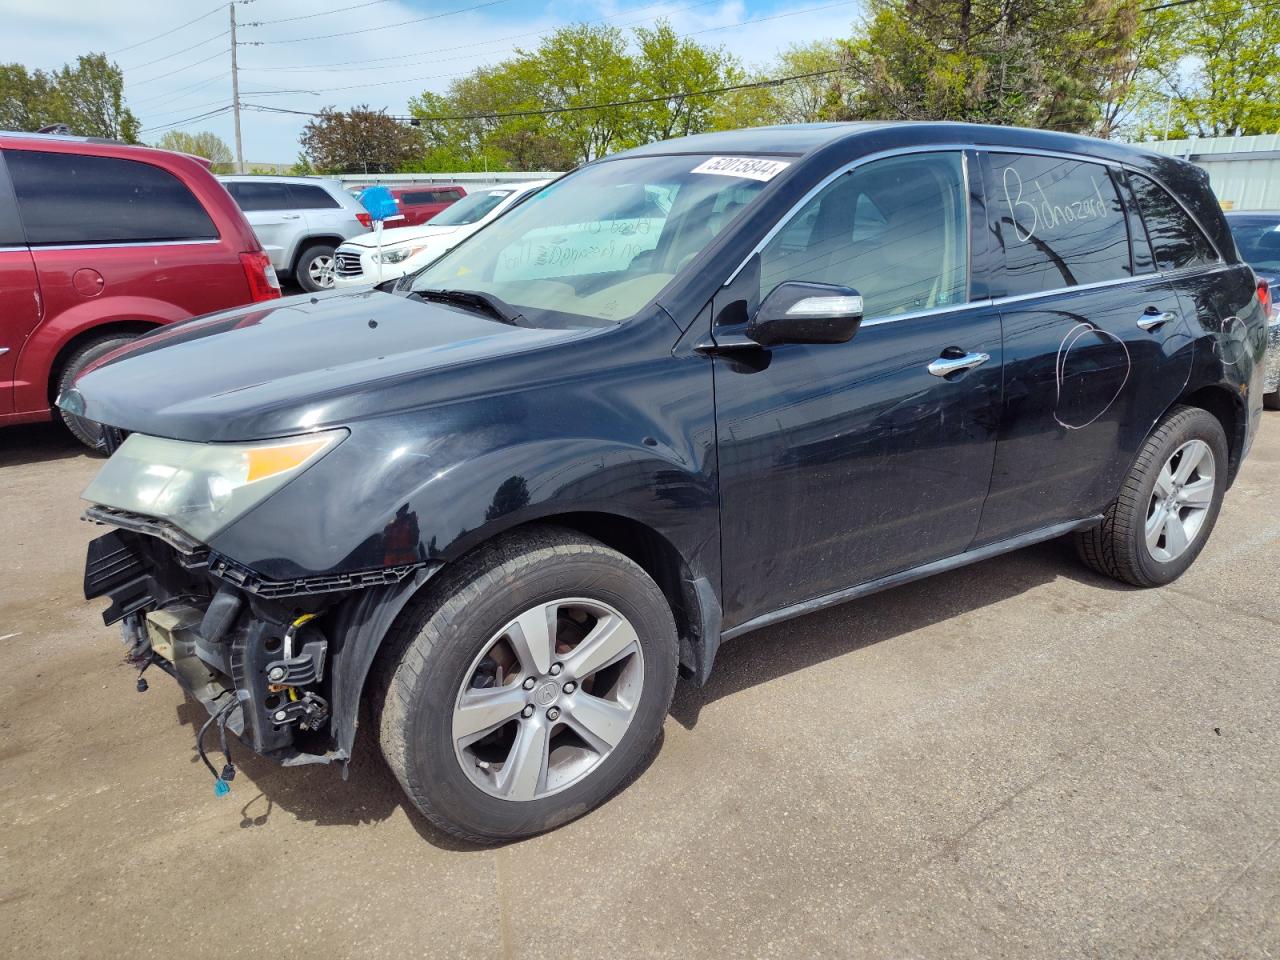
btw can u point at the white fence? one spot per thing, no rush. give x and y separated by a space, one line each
466 179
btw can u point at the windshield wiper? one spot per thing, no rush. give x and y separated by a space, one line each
486 302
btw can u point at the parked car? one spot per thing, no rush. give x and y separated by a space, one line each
419 204
300 220
360 262
1257 237
505 507
100 242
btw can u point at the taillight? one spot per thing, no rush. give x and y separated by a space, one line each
263 282
366 220
1264 296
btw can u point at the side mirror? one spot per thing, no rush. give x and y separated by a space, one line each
796 312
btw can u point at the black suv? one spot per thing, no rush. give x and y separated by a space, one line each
681 393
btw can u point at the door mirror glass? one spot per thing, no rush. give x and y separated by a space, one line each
798 312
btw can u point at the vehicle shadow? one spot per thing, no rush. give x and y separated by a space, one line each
38 443
772 652
371 793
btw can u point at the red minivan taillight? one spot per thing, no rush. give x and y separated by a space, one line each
366 220
263 282
1264 297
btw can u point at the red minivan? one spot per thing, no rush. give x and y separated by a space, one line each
99 243
420 204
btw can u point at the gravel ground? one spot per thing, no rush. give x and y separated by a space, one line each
1017 759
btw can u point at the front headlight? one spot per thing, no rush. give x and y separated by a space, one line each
396 256
202 488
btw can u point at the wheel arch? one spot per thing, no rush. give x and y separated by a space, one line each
1228 407
307 242
87 336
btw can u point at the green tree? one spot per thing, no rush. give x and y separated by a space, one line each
88 97
203 144
814 98
360 140
668 63
1024 62
1213 73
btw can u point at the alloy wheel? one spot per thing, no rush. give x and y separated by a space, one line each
1181 501
321 271
547 699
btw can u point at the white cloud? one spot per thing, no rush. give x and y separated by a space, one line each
427 55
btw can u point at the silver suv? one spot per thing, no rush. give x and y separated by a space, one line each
299 221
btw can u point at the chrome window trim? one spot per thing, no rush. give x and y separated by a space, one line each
9 247
962 148
836 174
124 243
1097 285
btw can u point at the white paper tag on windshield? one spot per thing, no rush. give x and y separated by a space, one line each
750 168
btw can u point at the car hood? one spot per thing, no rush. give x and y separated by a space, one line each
400 235
303 363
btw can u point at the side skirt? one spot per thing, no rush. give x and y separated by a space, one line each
915 573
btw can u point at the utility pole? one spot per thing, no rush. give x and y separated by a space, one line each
235 91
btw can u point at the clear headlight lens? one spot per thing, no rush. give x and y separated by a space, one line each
397 256
202 487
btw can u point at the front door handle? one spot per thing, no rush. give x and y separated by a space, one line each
1153 319
291 216
945 366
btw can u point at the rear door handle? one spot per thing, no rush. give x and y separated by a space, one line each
1154 319
945 366
291 216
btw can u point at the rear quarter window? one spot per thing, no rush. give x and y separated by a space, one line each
1175 238
303 196
67 198
1061 223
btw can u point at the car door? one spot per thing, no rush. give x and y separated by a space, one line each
843 463
1095 341
323 213
20 307
267 207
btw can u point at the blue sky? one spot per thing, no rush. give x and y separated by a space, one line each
361 52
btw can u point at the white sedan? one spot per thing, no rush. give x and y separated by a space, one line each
361 261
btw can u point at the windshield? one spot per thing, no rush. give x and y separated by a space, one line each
470 208
602 242
1258 240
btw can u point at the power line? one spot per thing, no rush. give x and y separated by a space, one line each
159 36
319 67
161 76
309 16
772 82
180 123
216 36
389 26
729 26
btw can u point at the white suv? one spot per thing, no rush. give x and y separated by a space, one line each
360 262
299 221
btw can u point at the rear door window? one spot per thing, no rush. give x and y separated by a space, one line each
1175 238
419 197
259 196
303 196
1061 223
67 198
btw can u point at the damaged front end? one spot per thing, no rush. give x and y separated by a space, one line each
280 664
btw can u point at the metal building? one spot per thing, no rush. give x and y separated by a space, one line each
1244 171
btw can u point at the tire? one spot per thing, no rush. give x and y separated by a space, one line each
314 269
1271 401
86 431
435 662
1119 547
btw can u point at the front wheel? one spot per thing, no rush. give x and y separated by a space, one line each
532 684
1154 530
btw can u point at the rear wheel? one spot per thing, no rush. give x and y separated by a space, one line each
86 431
314 271
1154 530
532 684
1271 401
